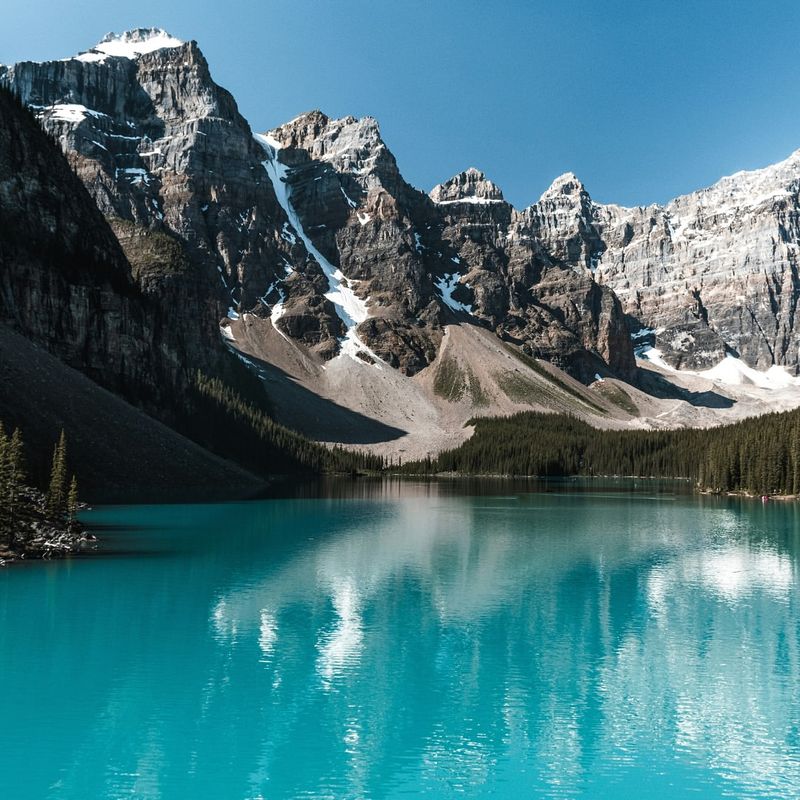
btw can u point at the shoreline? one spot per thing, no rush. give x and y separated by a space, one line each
515 476
49 546
51 543
45 541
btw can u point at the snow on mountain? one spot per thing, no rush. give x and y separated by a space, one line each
130 44
711 274
447 285
352 310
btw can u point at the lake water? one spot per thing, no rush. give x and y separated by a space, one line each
406 639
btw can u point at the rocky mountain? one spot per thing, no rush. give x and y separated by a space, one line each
73 320
712 273
305 253
160 146
66 282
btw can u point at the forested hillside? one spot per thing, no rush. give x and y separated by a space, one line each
760 455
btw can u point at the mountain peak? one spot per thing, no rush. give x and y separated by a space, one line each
567 184
469 186
325 138
131 44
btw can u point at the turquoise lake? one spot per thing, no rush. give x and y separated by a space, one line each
411 639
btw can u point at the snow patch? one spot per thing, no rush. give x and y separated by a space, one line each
352 203
69 112
278 310
130 44
351 309
654 356
136 175
733 371
642 333
446 286
287 234
476 201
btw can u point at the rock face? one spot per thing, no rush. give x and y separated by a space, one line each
161 147
461 253
711 273
362 217
65 281
528 286
471 186
312 229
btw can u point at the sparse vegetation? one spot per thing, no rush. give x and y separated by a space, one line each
452 383
449 381
35 524
523 390
551 377
152 254
476 391
617 395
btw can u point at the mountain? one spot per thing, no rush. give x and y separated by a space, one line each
383 317
710 274
715 271
73 320
160 145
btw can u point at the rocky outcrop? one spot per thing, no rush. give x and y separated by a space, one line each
715 269
366 221
159 145
531 283
65 281
711 273
419 262
470 186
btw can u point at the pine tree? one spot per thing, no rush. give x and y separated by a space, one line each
57 489
15 485
5 488
72 500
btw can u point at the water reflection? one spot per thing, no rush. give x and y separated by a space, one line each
565 642
412 641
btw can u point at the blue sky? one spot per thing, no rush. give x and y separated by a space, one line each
642 100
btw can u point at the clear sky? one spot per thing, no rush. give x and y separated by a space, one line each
643 100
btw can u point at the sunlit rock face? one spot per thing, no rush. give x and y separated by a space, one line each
359 212
160 146
712 272
415 259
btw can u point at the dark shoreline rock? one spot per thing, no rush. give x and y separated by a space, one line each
49 543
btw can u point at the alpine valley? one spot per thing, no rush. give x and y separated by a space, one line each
199 304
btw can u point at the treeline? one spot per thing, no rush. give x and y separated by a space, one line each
759 455
31 520
226 423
